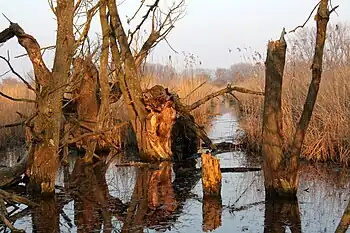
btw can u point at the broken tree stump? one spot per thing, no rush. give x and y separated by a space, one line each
211 176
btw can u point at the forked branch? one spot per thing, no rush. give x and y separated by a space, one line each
17 74
86 28
161 30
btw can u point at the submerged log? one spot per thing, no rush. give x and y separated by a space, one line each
10 175
211 176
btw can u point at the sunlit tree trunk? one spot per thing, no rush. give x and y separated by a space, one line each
281 167
45 160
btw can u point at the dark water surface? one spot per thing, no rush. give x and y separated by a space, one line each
169 199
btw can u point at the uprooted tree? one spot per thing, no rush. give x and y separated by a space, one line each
281 166
154 113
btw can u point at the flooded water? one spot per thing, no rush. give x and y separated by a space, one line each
169 198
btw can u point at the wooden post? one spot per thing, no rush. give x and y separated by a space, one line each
211 176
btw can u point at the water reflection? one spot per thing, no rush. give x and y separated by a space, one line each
102 197
211 211
91 197
45 217
153 200
280 215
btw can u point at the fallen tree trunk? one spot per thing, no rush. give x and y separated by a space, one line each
10 175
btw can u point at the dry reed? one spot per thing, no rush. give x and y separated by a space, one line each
327 137
13 136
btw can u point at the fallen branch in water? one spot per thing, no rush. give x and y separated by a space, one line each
239 169
11 198
14 198
244 207
9 175
137 164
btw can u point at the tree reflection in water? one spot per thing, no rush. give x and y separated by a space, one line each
280 214
156 201
91 197
159 195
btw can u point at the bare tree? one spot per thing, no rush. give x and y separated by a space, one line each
45 123
281 167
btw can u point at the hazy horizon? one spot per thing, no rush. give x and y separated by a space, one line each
207 31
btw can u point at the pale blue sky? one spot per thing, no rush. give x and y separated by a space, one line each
208 29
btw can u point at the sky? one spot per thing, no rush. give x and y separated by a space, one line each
208 30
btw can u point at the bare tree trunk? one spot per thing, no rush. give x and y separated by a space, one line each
281 170
130 83
47 124
322 18
280 173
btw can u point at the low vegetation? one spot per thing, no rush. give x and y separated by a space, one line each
190 88
327 138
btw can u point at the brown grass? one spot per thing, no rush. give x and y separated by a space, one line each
182 85
13 136
328 135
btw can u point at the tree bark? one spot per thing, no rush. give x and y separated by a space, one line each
47 124
322 18
211 176
130 84
280 172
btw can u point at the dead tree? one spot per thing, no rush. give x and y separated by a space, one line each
45 123
281 167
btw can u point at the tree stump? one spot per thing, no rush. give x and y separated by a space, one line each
211 176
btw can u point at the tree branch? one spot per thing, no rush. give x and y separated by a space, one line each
12 125
89 16
33 49
138 27
157 34
17 99
322 18
17 74
226 90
